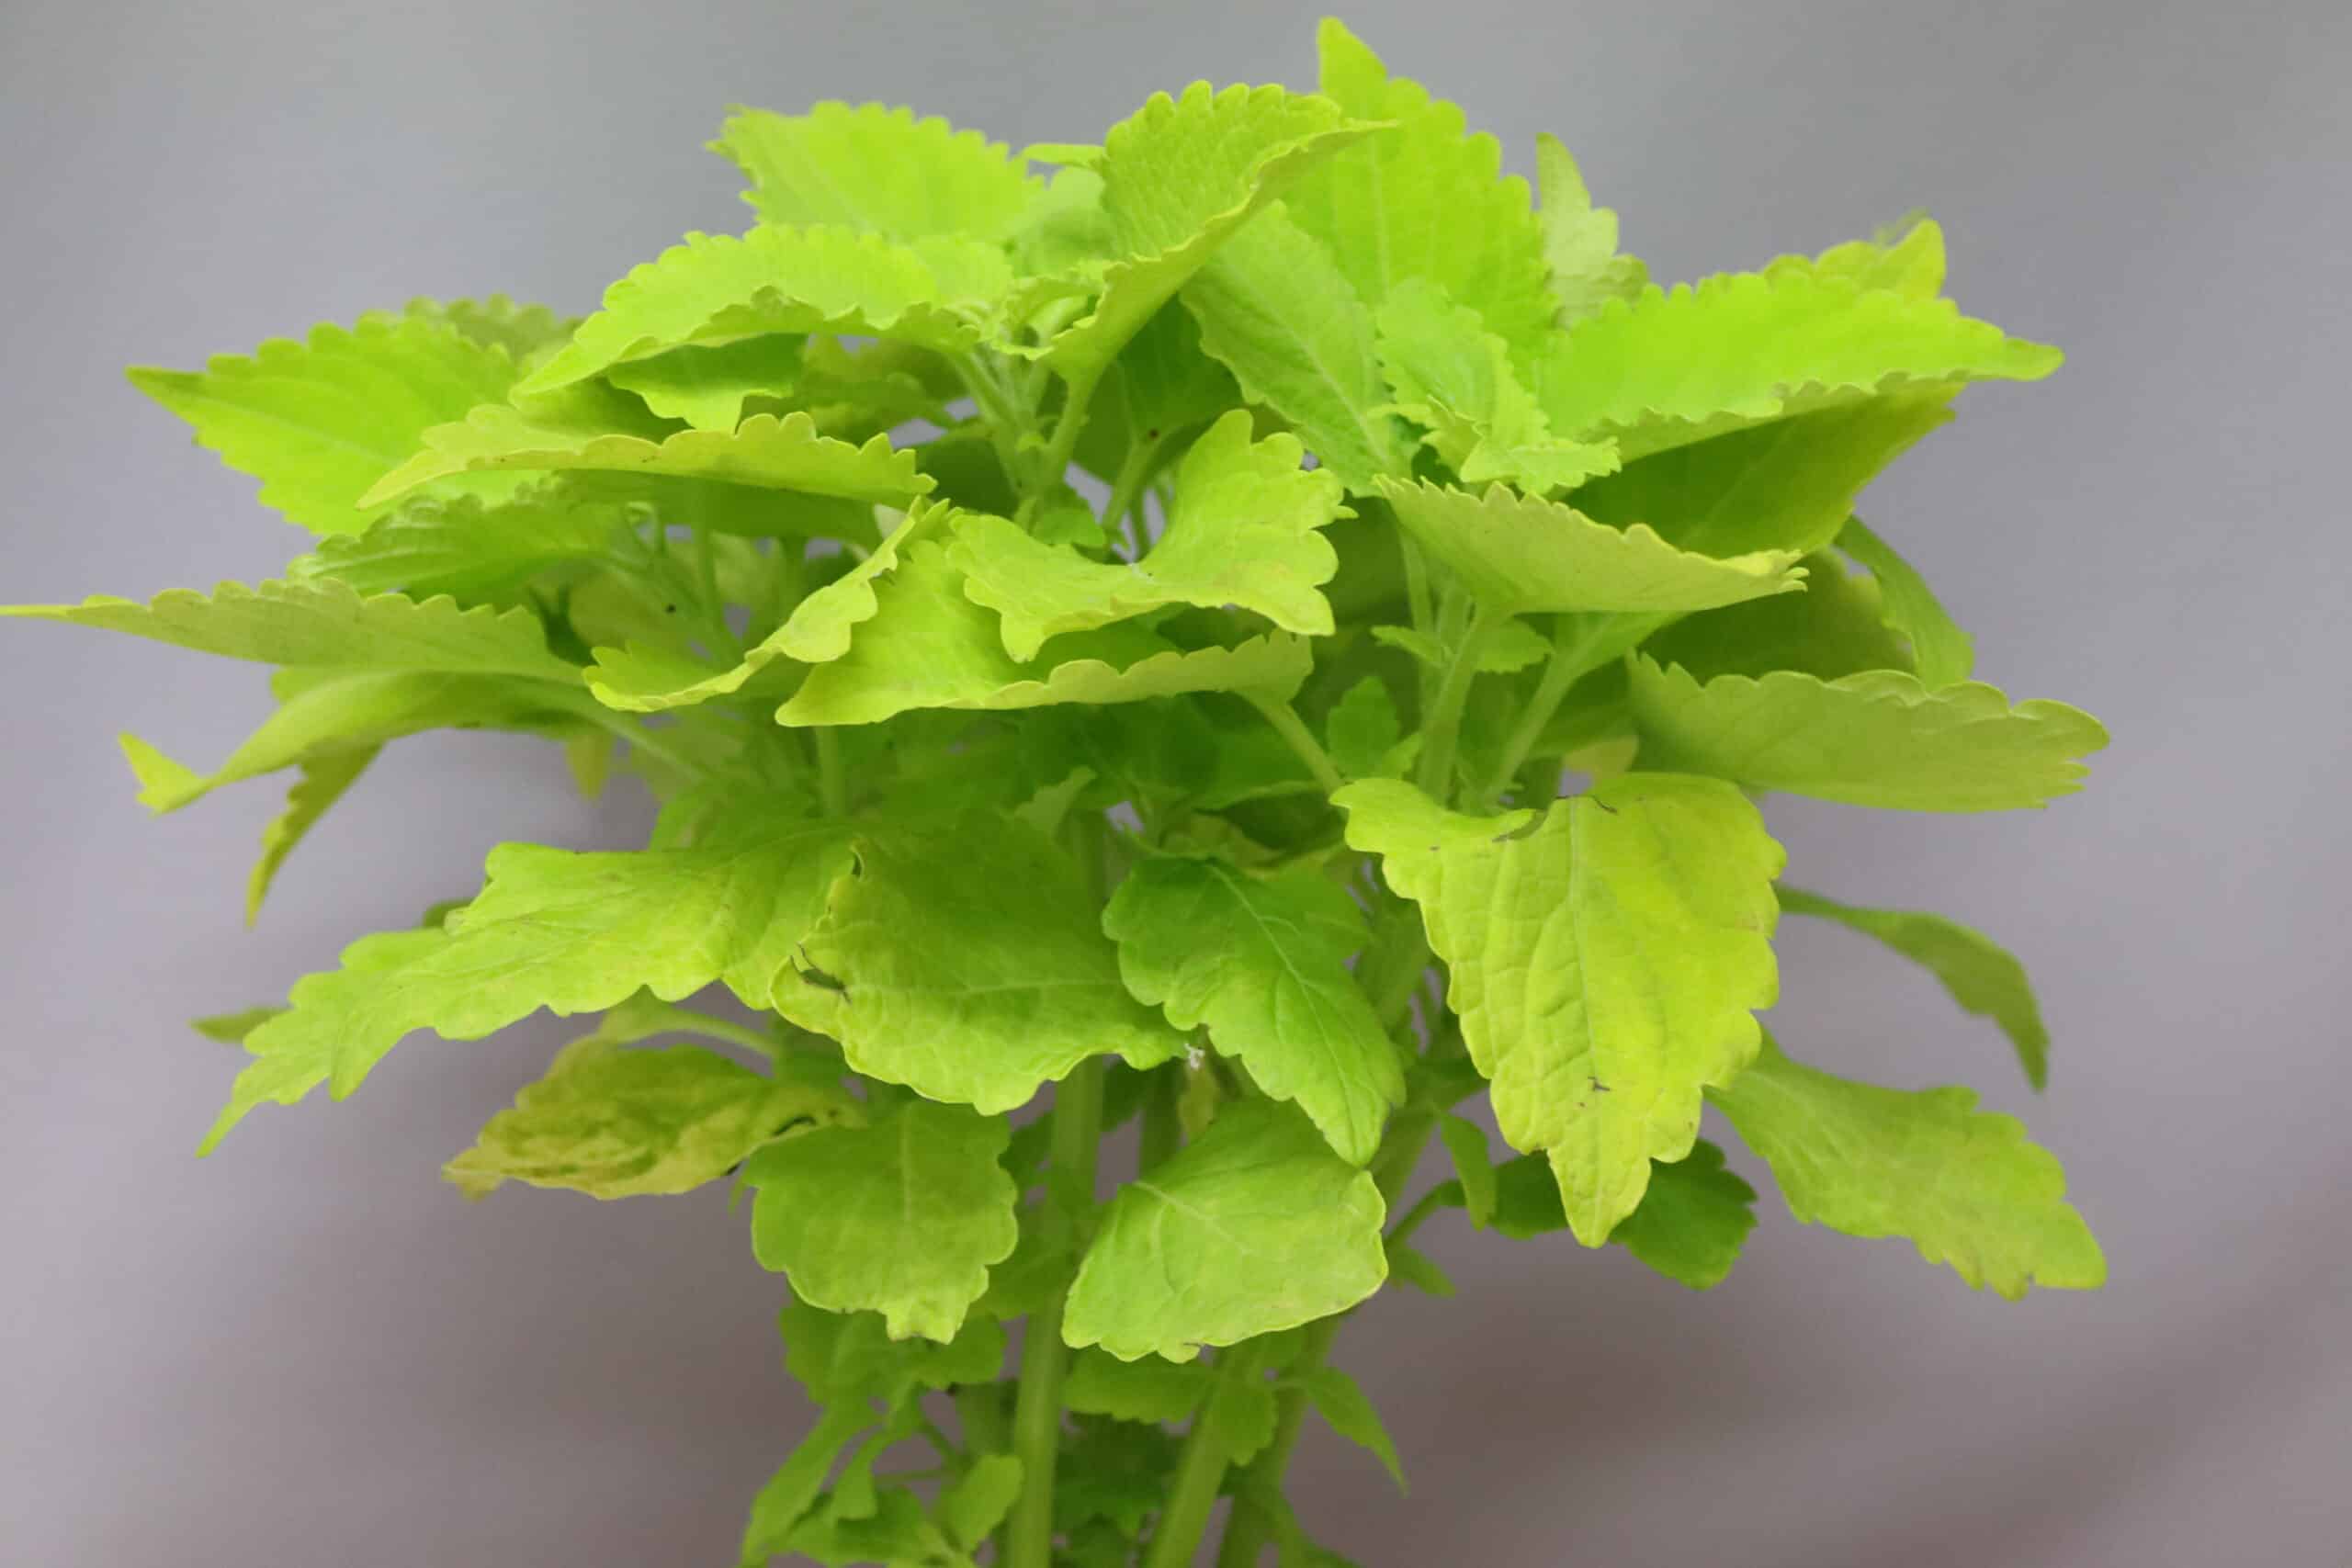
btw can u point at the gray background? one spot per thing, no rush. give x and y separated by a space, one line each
308 1349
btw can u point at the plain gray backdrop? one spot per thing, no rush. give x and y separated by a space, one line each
308 1349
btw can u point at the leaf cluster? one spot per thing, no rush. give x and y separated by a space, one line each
1259 626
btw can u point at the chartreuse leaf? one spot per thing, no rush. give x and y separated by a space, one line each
320 421
467 547
1465 1146
1448 373
843 1358
1422 199
1262 964
1255 1226
1242 531
1907 258
713 288
1963 1184
1341 1403
324 779
1690 1226
931 647
1692 1220
614 1122
1179 176
793 1490
328 718
900 1216
765 452
1579 240
872 166
1521 553
1982 977
556 930
1670 369
708 384
1150 1389
968 961
523 330
1605 959
1363 730
1941 653
1160 387
649 680
1275 309
326 623
1878 738
972 1506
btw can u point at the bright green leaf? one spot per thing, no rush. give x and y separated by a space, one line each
1257 1226
1422 199
318 422
764 453
523 331
1521 553
1179 177
1737 349
326 623
467 547
873 166
1982 977
1579 240
1693 1219
649 679
1362 728
1941 653
1099 1383
1448 373
324 780
789 1494
1963 1184
972 1506
1874 738
1341 1403
1465 1145
1276 310
714 289
1605 959
1242 531
931 647
556 930
707 384
967 963
1262 964
902 1217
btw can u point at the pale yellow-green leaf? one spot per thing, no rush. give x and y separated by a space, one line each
614 1122
552 928
641 679
931 647
1262 964
320 421
1964 1185
1579 239
968 961
902 1216
1878 738
765 452
1605 957
1255 1227
1242 530
878 167
323 621
1522 554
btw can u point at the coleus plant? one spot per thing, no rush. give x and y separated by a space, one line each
1264 632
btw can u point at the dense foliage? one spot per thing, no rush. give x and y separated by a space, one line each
1129 630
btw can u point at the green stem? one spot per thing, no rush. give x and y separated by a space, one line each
1200 1472
1079 388
1293 729
1162 1132
1442 732
1417 601
1126 490
1037 1407
832 784
1558 676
